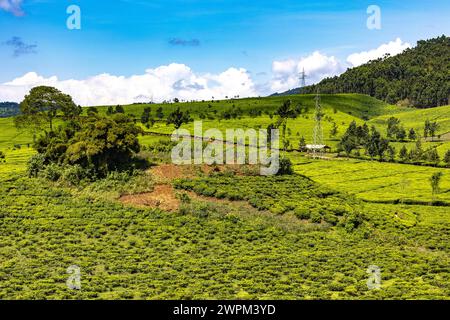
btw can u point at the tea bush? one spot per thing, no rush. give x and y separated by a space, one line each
278 194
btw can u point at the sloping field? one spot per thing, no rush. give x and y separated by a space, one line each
375 181
415 118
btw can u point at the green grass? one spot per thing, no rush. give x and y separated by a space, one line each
415 118
9 135
355 104
375 181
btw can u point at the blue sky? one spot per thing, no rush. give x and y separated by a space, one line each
127 37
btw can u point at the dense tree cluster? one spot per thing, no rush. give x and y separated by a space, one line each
374 145
97 143
357 137
100 144
418 77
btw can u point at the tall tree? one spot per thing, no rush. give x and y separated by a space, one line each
432 128
284 112
178 117
43 104
145 115
403 153
119 109
447 158
334 130
426 128
412 134
435 181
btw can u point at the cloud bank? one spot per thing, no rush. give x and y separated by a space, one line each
393 48
13 6
178 80
162 83
318 66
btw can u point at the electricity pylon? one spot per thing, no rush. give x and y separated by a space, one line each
318 129
302 80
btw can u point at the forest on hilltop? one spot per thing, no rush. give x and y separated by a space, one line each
9 109
418 77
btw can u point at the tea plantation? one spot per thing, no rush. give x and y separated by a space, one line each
309 235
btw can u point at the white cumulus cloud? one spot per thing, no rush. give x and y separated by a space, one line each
317 66
393 48
162 83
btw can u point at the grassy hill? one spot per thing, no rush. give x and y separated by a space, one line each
412 118
340 109
10 136
358 105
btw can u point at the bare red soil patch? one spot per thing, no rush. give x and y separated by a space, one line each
162 197
167 171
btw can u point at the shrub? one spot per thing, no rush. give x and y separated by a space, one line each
447 158
209 192
331 219
199 189
302 213
220 194
234 196
183 197
352 221
35 165
278 208
51 172
285 167
74 174
315 217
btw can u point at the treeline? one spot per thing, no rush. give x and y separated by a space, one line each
418 77
370 141
9 109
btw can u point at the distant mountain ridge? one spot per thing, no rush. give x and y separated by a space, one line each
9 109
418 77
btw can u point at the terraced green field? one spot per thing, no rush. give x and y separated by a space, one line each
309 236
210 251
375 181
9 135
413 118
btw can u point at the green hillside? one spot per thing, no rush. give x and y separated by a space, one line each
415 118
358 105
340 109
418 77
